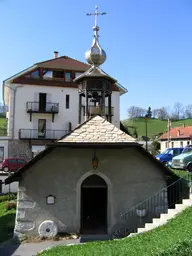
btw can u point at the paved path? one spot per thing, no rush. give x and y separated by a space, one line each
31 249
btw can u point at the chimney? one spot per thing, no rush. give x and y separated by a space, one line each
56 54
178 133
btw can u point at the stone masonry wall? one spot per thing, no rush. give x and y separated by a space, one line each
18 148
133 179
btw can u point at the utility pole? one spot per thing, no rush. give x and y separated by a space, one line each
169 128
146 121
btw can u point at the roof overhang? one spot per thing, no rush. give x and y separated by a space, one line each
50 147
9 80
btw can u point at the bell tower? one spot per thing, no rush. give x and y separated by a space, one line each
95 86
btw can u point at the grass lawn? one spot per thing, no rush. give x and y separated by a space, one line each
154 126
2 126
155 242
7 222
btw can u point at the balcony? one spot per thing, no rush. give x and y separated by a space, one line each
35 134
45 108
92 110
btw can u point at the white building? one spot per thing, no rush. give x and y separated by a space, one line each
178 137
43 105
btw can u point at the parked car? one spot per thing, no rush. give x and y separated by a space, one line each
184 160
12 164
167 155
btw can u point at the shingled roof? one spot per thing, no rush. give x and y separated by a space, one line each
97 130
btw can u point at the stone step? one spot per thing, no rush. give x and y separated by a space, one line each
165 216
172 212
141 230
149 226
159 221
180 207
187 202
132 234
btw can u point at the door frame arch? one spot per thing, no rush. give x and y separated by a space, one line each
109 199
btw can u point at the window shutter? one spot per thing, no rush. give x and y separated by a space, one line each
49 97
34 132
36 100
49 104
48 129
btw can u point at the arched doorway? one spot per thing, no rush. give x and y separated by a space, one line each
93 205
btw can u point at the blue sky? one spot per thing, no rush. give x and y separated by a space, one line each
148 43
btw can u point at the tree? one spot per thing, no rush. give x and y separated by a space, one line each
134 112
188 111
155 147
155 112
178 109
149 112
162 113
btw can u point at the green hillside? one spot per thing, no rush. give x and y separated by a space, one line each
2 126
154 126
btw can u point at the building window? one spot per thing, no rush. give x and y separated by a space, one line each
172 144
67 76
67 101
41 128
188 142
58 74
181 144
1 154
35 74
166 144
48 74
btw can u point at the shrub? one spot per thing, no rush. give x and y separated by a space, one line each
7 197
10 206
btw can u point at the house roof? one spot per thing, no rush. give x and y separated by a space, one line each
178 133
64 62
60 62
93 133
96 130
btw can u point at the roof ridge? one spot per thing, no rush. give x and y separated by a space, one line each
63 56
96 130
77 127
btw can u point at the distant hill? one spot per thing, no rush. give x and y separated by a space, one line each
154 126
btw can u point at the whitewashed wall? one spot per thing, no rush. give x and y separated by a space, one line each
174 144
55 95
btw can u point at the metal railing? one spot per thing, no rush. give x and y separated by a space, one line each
98 110
36 108
159 203
44 135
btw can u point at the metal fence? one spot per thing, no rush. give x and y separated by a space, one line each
144 212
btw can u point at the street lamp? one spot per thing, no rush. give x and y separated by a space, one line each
146 121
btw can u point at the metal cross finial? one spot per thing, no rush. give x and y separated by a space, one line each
96 13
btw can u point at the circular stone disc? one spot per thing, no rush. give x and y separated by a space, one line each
47 228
